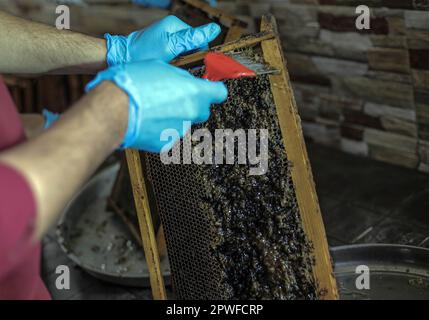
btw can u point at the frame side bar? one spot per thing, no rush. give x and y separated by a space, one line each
302 176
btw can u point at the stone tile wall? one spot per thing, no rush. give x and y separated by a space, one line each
364 92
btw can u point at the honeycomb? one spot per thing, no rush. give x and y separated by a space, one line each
231 235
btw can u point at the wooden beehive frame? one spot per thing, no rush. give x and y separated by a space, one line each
295 149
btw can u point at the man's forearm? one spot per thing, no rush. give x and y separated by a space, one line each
58 161
33 124
30 47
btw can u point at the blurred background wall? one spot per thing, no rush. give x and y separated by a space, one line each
364 92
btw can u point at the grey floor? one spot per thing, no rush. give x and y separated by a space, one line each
365 201
362 201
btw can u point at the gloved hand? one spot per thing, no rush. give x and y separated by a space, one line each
164 40
161 97
164 3
50 118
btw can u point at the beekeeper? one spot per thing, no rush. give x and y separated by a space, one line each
134 97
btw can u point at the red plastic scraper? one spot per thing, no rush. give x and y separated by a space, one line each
221 67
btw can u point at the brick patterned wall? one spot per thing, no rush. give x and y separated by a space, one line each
365 92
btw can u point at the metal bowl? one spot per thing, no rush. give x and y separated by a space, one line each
395 271
98 241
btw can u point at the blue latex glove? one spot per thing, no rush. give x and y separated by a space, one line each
161 97
153 3
164 3
164 40
212 3
50 118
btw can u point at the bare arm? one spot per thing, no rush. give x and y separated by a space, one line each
33 124
37 48
58 161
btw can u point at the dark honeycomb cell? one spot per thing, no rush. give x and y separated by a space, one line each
231 235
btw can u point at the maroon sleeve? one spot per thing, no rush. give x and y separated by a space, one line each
17 218
11 128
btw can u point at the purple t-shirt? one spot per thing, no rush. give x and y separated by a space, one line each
19 256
